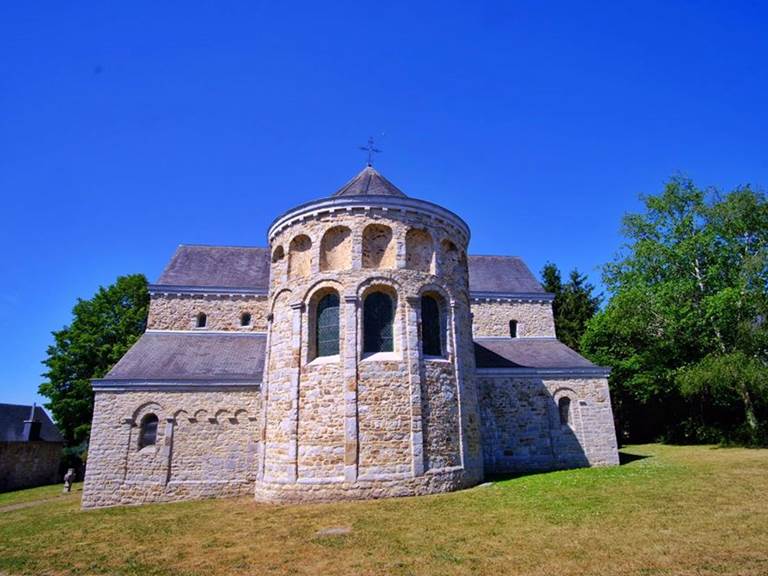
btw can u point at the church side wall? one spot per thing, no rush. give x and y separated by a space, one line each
491 318
522 428
223 311
206 446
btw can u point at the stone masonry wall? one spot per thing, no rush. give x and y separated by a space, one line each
522 430
28 464
491 318
206 446
358 425
179 312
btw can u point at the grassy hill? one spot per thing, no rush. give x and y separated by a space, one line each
667 510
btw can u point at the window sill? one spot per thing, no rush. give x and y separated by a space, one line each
381 357
335 359
443 359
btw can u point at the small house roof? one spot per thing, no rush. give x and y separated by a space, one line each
218 266
12 417
501 274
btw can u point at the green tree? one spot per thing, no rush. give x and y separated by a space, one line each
685 327
574 303
101 331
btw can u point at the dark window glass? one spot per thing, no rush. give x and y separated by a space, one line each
430 327
513 328
202 320
564 407
378 316
245 319
327 325
148 432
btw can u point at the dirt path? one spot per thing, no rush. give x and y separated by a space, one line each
32 503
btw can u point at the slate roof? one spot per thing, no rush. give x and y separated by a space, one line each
202 356
526 353
12 418
219 266
369 183
501 274
248 268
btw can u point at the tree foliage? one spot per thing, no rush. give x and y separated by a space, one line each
101 331
685 330
574 303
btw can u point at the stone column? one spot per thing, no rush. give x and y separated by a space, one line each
262 449
459 372
357 248
413 360
350 353
295 375
127 427
398 237
167 449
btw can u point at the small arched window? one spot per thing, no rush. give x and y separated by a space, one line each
245 319
564 408
327 325
148 431
431 333
378 319
202 320
513 328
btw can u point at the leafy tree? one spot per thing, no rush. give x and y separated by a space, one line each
685 327
574 303
102 330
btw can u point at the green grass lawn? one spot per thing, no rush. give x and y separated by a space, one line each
677 510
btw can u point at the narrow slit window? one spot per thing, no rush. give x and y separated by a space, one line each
148 431
431 340
564 407
245 319
202 320
327 325
378 320
513 328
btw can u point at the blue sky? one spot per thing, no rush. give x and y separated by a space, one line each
128 128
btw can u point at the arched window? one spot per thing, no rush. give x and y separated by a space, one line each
245 319
564 408
513 328
378 318
327 325
202 320
148 431
431 341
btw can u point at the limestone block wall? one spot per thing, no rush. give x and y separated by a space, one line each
223 312
522 429
361 425
492 317
28 464
206 446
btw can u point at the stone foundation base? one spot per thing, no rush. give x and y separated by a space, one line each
126 494
432 482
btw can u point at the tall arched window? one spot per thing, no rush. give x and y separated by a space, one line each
202 320
431 332
564 408
378 319
327 325
148 431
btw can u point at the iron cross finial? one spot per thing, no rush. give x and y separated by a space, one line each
371 149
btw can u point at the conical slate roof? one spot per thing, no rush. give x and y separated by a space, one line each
369 183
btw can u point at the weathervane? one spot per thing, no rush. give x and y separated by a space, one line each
371 149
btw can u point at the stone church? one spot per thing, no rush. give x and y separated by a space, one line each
363 354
